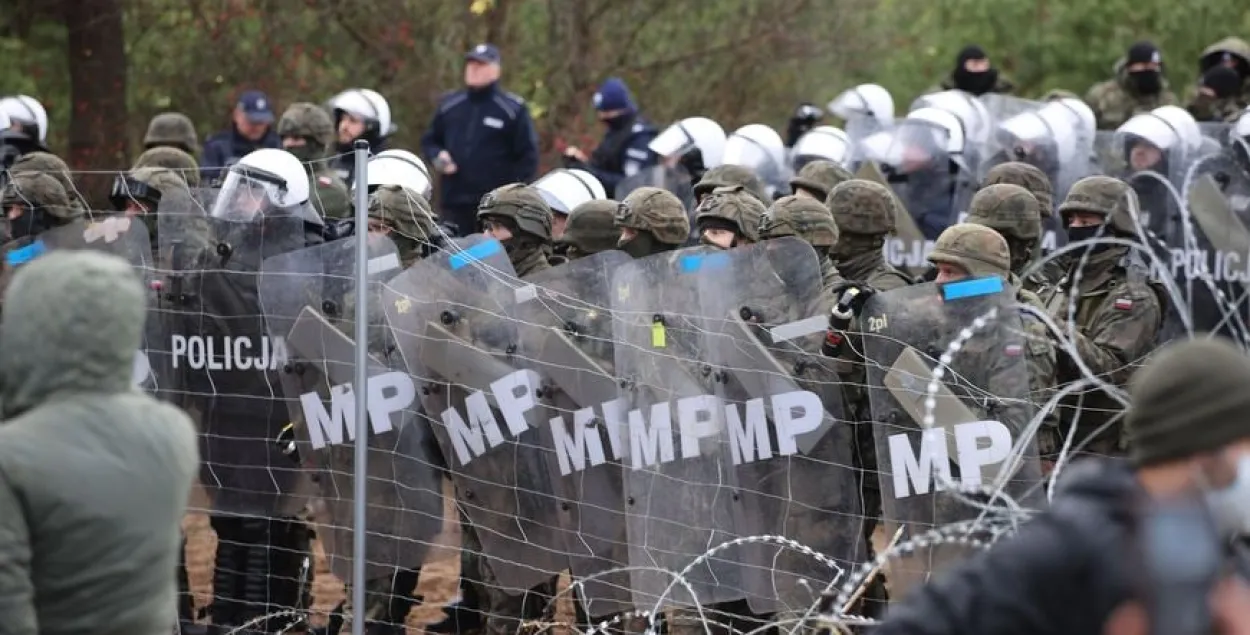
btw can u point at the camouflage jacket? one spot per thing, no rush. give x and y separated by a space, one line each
1039 353
1114 102
329 194
1206 109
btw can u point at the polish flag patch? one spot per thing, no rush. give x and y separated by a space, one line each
1123 304
1013 350
324 180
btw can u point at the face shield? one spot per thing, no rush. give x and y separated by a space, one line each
760 153
1148 143
250 194
127 189
918 147
563 190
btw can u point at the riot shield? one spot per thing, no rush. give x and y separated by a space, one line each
1223 243
679 476
452 317
309 298
972 435
788 439
567 340
674 179
1000 107
225 362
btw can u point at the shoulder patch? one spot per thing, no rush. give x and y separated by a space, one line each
1123 304
515 97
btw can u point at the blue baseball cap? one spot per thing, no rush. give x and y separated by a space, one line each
613 94
256 106
484 53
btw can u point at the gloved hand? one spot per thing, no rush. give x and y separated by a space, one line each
805 117
342 228
855 301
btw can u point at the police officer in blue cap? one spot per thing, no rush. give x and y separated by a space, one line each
251 130
623 151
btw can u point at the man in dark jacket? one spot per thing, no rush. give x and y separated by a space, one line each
623 151
251 129
481 137
1071 566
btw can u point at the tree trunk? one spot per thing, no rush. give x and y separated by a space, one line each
97 73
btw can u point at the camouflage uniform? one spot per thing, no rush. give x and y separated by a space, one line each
183 164
818 177
410 219
327 192
810 221
590 229
659 218
528 216
37 193
172 130
1204 108
1115 102
727 175
55 167
1117 315
1034 180
735 208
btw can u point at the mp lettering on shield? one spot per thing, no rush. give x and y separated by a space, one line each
389 393
979 445
198 352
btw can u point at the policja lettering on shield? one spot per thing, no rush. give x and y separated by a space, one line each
228 352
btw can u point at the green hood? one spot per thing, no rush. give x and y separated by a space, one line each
73 321
1234 45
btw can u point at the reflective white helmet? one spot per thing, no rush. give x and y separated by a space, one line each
26 110
865 100
754 146
1242 127
1068 122
948 126
368 105
1169 128
565 189
970 111
689 134
399 167
822 142
264 181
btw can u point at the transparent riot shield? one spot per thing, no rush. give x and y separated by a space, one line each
225 363
786 430
1218 302
452 316
1000 108
309 298
680 479
972 436
567 340
907 249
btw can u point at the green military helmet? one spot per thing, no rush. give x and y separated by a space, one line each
819 177
172 129
591 227
657 211
864 208
805 218
977 249
522 205
1008 209
1110 198
1027 176
38 190
310 122
728 175
405 211
183 164
49 164
735 205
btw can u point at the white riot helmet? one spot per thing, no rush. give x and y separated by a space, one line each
263 183
970 111
821 143
688 135
925 140
399 167
1170 129
865 100
755 146
565 189
1067 124
27 111
367 105
1242 127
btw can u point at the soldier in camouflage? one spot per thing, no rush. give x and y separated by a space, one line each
1031 178
728 175
183 164
139 193
590 229
1138 87
651 220
729 217
517 216
407 219
1225 69
1013 212
308 133
35 202
1106 304
817 178
55 167
810 221
172 130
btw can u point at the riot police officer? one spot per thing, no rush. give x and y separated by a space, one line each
359 113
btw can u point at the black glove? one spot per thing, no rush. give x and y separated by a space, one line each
929 275
856 302
334 230
805 117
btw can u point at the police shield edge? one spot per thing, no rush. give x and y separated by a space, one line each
981 411
679 474
766 315
309 297
567 340
225 363
452 320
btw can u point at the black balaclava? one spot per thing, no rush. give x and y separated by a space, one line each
1223 81
1145 82
975 83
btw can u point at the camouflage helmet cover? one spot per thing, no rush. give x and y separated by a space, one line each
522 205
39 191
406 211
729 175
1027 176
979 250
183 164
166 181
1008 209
819 177
806 218
591 227
172 129
657 211
861 207
53 166
736 205
309 121
1112 199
